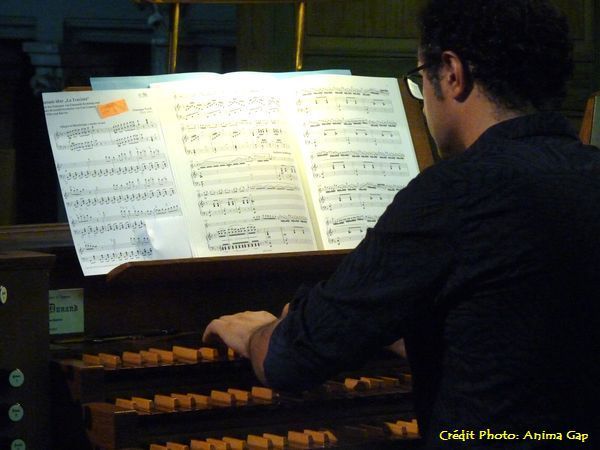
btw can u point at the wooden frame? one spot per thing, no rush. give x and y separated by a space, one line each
586 133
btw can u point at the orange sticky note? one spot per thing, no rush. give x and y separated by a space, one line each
112 108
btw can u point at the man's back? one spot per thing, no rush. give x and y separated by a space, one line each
518 316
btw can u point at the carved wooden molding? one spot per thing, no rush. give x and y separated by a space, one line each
38 236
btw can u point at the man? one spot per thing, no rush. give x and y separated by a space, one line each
487 263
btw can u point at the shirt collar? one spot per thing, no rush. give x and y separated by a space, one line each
543 123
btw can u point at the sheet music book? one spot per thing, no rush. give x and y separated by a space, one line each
227 166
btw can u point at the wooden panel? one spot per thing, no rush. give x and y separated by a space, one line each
581 22
266 37
25 348
363 18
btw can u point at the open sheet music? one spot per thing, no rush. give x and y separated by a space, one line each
247 165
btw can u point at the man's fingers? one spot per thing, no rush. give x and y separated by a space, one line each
212 331
236 330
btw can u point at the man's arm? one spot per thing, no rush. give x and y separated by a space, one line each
247 333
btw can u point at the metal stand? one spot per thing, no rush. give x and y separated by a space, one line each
176 10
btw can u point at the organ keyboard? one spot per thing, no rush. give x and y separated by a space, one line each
188 396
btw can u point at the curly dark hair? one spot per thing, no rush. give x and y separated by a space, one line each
519 51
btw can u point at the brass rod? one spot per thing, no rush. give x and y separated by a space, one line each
300 18
174 37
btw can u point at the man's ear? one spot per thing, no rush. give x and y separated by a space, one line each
455 77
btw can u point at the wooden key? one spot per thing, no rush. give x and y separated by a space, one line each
166 402
150 358
278 441
240 395
132 359
209 353
185 400
91 360
396 429
125 403
235 444
158 447
201 445
185 354
108 360
142 404
224 398
373 383
219 444
176 446
412 427
166 356
200 400
353 384
300 439
262 393
319 437
259 442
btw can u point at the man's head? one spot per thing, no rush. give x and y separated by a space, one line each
514 53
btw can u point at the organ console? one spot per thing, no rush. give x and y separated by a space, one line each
138 377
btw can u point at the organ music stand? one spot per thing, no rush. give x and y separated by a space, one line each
174 24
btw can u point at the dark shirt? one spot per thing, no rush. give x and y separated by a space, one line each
488 264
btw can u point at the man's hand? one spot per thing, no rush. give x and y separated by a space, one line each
236 331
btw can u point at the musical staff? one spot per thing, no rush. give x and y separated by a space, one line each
366 101
204 106
346 229
233 136
267 232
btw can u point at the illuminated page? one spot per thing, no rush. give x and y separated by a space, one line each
233 157
144 81
357 151
113 171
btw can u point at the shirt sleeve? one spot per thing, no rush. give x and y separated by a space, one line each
393 275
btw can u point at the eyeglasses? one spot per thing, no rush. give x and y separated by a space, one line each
414 81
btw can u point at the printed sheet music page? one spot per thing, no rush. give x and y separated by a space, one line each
357 150
113 171
234 159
